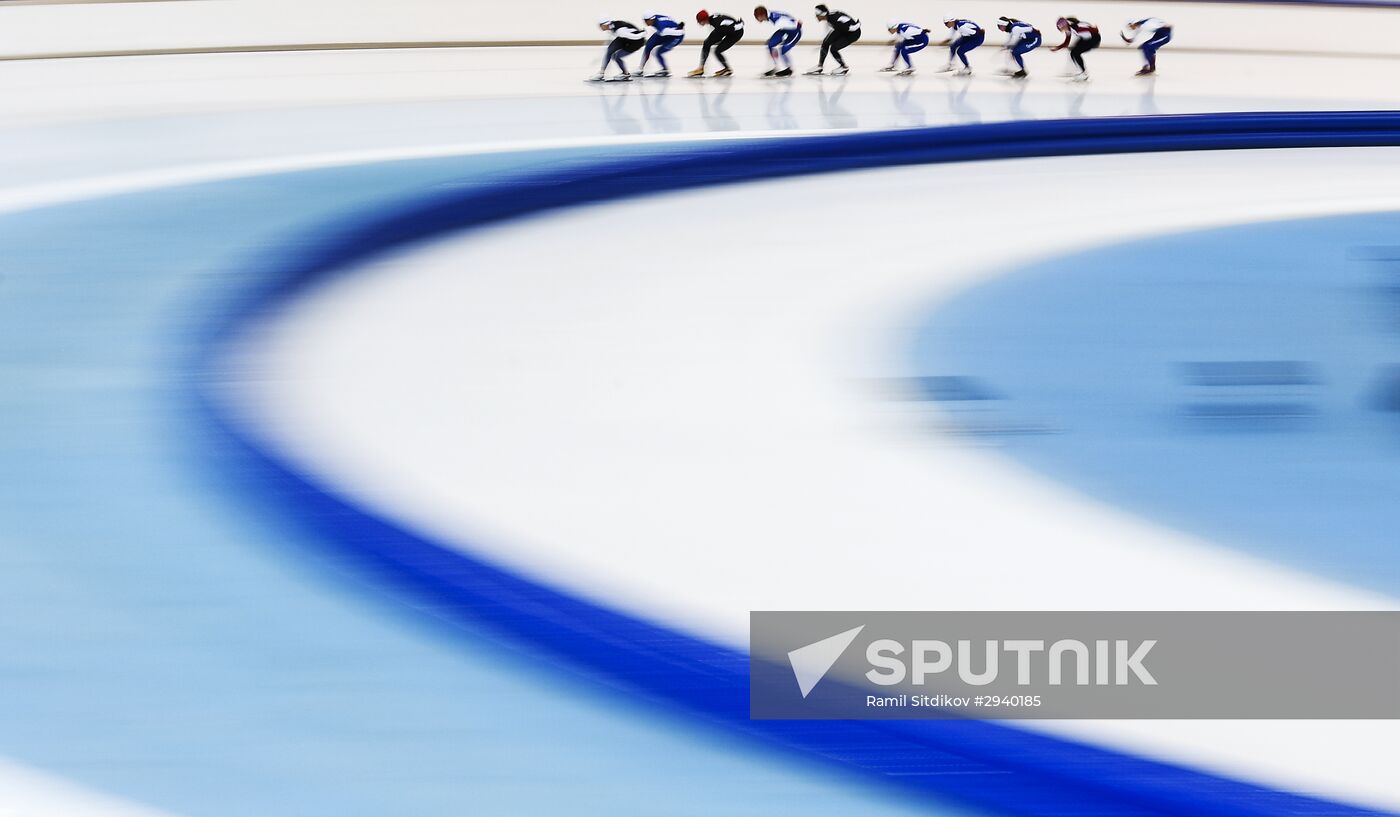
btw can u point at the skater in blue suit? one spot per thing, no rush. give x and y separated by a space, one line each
666 35
966 35
1021 39
787 32
1150 34
909 39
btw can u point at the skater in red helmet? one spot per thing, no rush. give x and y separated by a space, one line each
1080 39
725 32
787 32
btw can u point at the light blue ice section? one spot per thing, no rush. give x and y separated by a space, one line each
1237 383
162 640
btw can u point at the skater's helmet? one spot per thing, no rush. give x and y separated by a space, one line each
947 21
702 17
892 25
1062 23
760 13
821 11
1003 23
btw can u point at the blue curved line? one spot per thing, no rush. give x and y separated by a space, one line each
982 763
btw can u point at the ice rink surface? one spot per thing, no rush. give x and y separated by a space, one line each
718 435
754 380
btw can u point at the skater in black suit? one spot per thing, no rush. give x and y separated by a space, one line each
845 30
624 38
725 32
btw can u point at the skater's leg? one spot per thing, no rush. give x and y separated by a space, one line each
1023 48
652 42
1076 55
836 48
913 47
966 46
664 49
793 39
1149 48
613 54
724 46
826 49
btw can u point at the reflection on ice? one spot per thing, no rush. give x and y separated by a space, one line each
841 103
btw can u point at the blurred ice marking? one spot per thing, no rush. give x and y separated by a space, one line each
1252 394
966 405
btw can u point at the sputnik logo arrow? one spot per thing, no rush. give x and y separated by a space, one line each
811 663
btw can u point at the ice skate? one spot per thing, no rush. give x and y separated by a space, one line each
841 72
771 72
945 69
724 72
907 72
698 72
815 72
963 72
786 72
887 69
1145 72
1018 75
662 74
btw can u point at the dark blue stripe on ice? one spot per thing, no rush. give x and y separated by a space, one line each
981 763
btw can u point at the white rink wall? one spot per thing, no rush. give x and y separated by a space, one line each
89 28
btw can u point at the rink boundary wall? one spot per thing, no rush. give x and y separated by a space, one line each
991 766
451 44
216 26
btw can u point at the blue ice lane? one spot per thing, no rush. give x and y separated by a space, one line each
1237 383
162 640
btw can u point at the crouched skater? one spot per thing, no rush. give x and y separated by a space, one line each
966 35
1080 39
1149 34
666 35
623 38
1021 39
725 33
844 31
909 39
787 32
